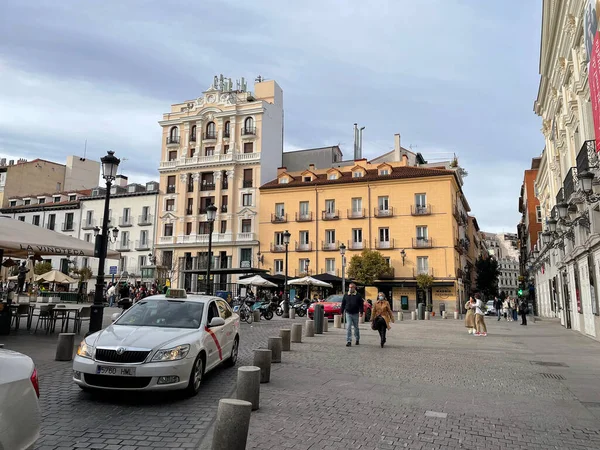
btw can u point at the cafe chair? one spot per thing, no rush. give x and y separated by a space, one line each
22 311
82 315
44 315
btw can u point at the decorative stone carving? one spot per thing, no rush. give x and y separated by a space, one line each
183 177
199 102
230 174
211 98
217 175
569 26
196 176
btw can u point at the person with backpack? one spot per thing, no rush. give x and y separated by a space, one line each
523 311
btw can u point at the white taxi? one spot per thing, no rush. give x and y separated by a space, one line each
163 342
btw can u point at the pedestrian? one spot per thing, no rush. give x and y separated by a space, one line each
498 306
481 329
506 309
470 316
523 311
381 316
353 307
112 291
513 308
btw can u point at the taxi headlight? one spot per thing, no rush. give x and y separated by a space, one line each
85 350
172 354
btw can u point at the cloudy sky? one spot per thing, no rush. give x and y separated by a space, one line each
451 76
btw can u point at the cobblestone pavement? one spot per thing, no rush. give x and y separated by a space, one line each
72 419
434 387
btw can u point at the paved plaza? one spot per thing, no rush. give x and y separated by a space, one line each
432 387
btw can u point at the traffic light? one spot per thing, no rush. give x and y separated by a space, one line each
520 292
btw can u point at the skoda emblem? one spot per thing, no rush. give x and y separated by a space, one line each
120 350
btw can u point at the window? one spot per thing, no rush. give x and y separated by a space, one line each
330 265
245 258
223 226
384 235
210 131
126 215
247 178
141 261
538 213
171 184
332 176
422 264
35 220
248 147
193 133
87 237
279 238
247 200
22 218
173 135
224 309
303 265
284 180
168 231
85 262
330 206
330 236
420 201
357 236
56 199
357 174
170 204
41 201
388 261
12 203
72 198
167 258
51 221
190 183
188 228
279 210
69 222
226 149
422 233
125 239
227 130
356 205
144 237
307 179
189 210
246 225
304 236
203 227
27 202
249 125
172 155
278 263
205 202
383 172
304 209
224 200
383 203
209 151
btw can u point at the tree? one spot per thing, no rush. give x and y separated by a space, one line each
43 267
487 276
367 267
424 282
84 274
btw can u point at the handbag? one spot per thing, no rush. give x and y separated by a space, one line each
375 322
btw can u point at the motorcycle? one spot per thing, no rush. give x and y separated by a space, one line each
300 308
279 310
265 311
243 309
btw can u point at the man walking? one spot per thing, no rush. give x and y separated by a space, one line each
498 306
353 307
523 311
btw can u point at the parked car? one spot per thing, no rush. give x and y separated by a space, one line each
160 343
491 310
19 406
332 305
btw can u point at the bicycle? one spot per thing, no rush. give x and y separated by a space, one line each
244 312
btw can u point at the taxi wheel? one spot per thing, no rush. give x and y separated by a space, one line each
230 362
196 376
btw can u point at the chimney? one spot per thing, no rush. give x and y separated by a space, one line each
121 180
356 155
311 167
360 142
397 148
404 160
281 170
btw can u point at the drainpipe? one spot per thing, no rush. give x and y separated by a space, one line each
316 231
369 215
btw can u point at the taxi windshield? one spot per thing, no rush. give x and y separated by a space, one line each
164 314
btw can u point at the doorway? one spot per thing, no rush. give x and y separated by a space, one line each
567 300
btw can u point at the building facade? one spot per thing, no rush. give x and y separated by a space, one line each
394 208
504 247
217 150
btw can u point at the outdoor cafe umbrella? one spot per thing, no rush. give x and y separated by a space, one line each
256 280
309 281
20 240
54 276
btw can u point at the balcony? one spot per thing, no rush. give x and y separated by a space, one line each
171 189
587 152
145 220
423 271
249 131
329 246
330 215
205 186
421 242
278 218
378 212
356 214
247 156
421 210
172 141
189 211
209 135
125 222
277 248
389 274
88 224
247 183
142 245
560 196
192 138
302 273
67 226
245 237
384 245
356 245
196 161
305 247
459 246
166 240
123 246
304 217
460 274
570 183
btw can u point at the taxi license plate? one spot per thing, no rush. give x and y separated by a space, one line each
118 371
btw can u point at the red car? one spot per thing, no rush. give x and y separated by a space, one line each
333 305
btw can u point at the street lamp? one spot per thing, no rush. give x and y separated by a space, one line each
211 213
343 253
546 237
110 164
585 181
403 255
552 225
286 299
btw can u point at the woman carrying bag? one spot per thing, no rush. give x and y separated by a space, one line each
381 316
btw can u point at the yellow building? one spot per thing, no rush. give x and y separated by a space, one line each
392 207
217 150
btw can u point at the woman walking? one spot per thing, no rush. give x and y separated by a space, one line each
470 316
381 316
481 329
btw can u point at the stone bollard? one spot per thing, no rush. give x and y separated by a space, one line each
275 345
262 359
256 316
310 328
248 385
444 315
286 339
297 333
413 315
361 319
292 313
455 315
232 424
400 316
427 315
325 325
64 348
337 321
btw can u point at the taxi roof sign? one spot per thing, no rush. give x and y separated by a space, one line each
176 293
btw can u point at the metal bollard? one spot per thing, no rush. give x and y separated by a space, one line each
413 315
361 319
400 316
65 347
318 317
310 328
275 344
427 315
337 321
292 313
232 424
325 324
286 339
262 359
248 385
256 316
297 333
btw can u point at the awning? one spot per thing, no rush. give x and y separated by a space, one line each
19 239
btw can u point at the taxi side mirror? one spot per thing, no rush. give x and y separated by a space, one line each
216 322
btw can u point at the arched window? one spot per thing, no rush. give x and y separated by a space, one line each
174 135
193 134
210 130
226 131
249 125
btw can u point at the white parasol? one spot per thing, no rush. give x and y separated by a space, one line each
256 280
309 281
55 276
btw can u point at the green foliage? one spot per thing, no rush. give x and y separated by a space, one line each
84 274
424 281
43 267
487 276
367 267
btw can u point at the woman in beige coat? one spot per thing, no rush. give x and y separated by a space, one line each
470 317
381 316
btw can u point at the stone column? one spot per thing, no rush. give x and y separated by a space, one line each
198 137
219 144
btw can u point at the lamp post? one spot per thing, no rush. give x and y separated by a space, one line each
403 255
286 297
110 164
211 213
343 253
